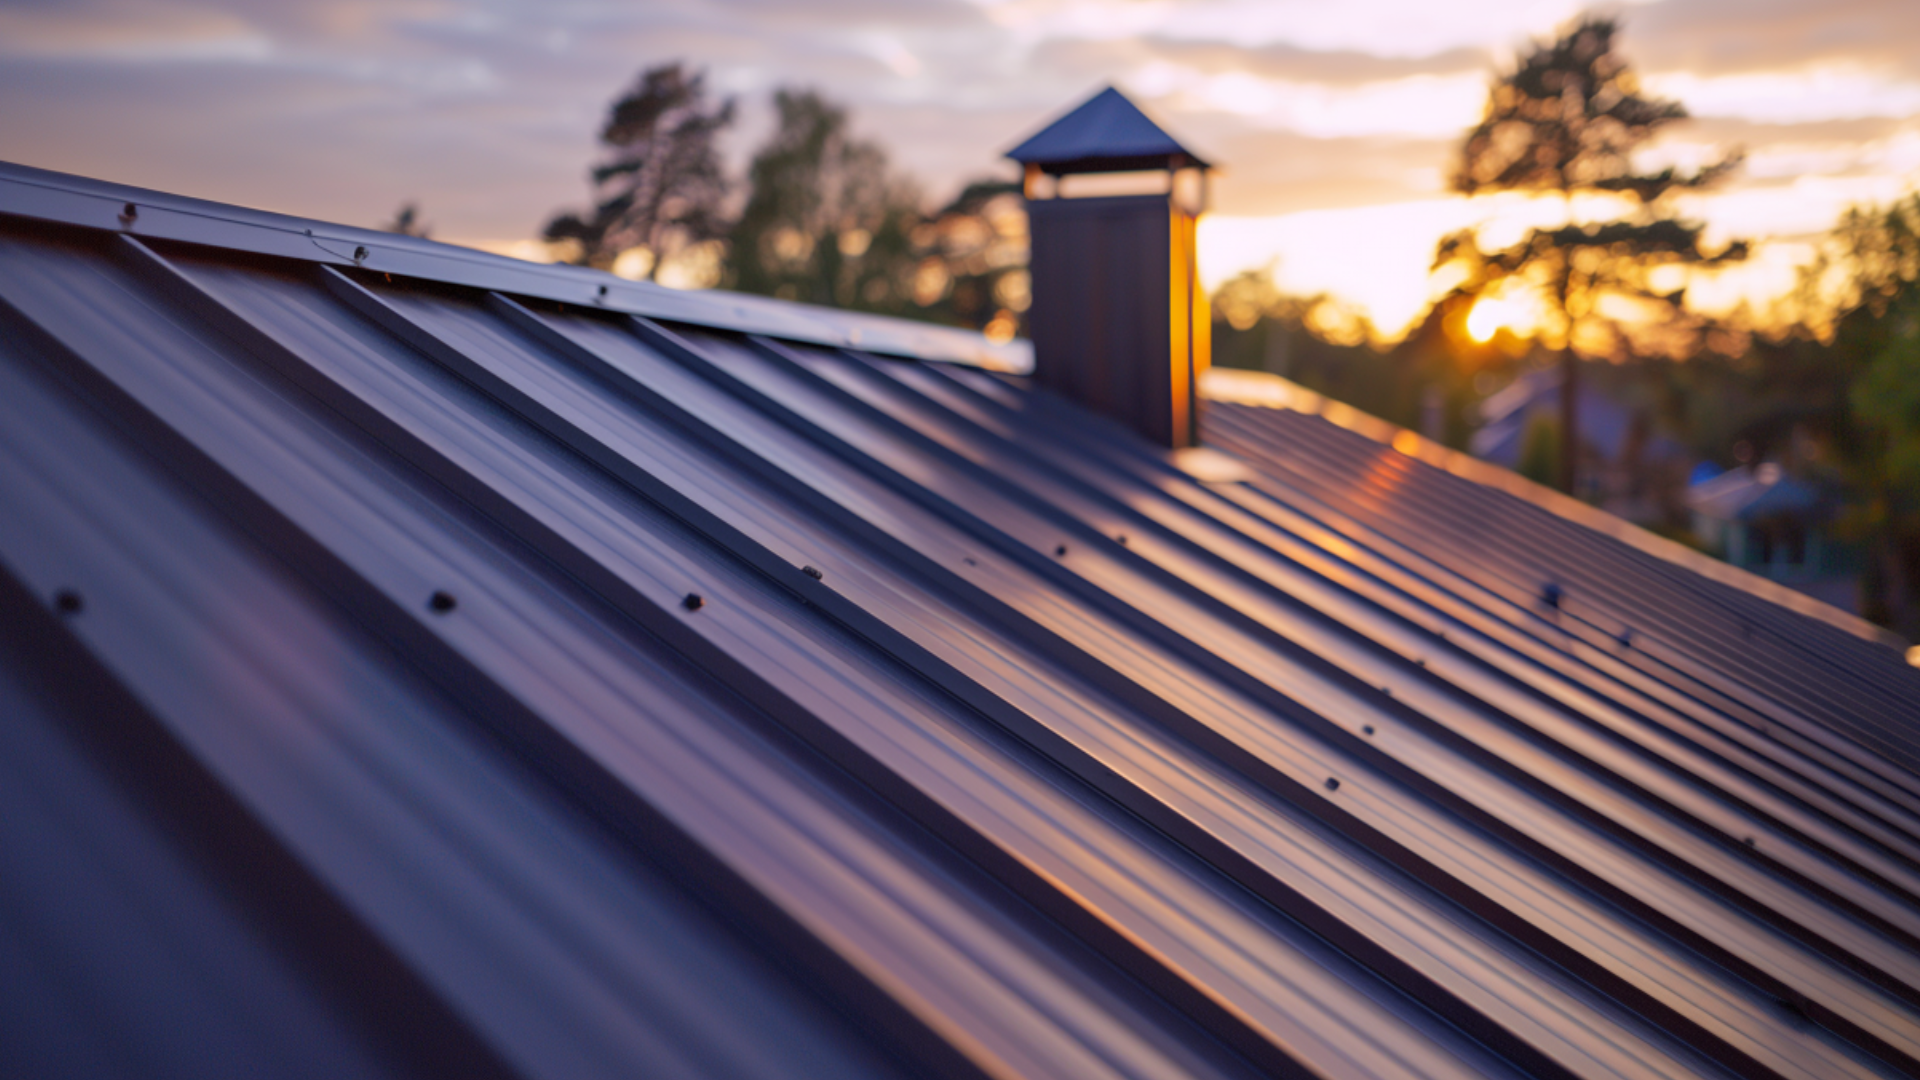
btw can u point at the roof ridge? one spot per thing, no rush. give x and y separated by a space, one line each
66 199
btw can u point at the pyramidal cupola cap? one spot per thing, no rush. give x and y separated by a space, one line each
1106 134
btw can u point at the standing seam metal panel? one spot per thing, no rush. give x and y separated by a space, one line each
995 789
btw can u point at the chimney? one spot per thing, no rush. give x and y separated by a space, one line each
1118 321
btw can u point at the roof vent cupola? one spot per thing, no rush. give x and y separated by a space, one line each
1119 321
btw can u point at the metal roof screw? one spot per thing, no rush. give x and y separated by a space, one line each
360 254
1061 551
1122 538
1748 840
693 602
441 602
1420 660
601 291
67 602
968 559
1552 594
128 213
1626 638
1332 784
1366 729
1387 690
812 572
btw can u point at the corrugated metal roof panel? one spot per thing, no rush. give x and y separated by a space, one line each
631 694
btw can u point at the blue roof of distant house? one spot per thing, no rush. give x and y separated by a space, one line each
1753 494
1605 425
1106 134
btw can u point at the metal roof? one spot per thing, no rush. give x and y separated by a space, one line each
1105 133
408 674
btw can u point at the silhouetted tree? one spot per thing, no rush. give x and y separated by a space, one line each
826 220
972 259
661 185
406 221
1566 122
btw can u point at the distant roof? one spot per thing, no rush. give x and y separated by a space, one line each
405 672
1604 423
1752 494
1106 134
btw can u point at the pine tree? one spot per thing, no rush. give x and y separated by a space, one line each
662 184
1567 122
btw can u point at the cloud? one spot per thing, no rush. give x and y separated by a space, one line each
1377 28
1794 96
1285 62
1719 37
1274 172
103 32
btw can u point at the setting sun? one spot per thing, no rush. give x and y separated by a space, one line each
1493 313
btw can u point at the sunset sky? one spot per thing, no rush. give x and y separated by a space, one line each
1335 121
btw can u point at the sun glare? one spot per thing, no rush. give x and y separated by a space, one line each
1375 260
1492 314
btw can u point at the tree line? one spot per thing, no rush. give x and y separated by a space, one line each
821 215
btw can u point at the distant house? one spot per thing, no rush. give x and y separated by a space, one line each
1761 519
1626 467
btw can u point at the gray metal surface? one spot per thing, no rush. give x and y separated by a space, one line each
437 677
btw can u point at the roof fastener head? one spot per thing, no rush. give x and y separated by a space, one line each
1332 784
1061 551
812 572
67 602
441 602
692 602
360 253
1366 729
